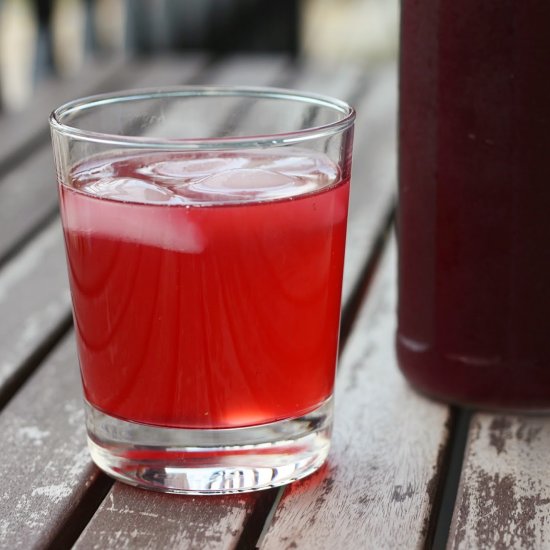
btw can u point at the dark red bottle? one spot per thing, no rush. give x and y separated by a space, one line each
474 201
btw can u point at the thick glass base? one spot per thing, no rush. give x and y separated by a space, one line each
212 461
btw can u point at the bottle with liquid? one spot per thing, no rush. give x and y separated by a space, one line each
474 202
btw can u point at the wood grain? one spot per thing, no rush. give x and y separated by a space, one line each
378 486
43 429
504 494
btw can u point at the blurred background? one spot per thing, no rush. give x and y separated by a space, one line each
41 39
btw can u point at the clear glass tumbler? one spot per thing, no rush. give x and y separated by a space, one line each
205 231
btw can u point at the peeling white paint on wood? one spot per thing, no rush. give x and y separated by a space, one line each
36 433
504 493
378 486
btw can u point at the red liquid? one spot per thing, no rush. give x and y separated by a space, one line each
204 316
474 214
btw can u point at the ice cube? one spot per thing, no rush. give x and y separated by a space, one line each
131 190
297 162
140 212
245 184
192 168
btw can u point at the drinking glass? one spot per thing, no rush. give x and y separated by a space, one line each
205 231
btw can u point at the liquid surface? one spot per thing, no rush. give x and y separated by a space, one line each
210 316
474 222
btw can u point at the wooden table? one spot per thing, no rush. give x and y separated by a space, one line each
404 472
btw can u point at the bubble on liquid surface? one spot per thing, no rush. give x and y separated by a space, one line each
132 190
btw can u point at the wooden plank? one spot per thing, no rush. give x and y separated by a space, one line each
45 464
246 70
233 71
503 499
30 125
168 70
373 182
378 487
234 511
34 300
28 194
130 518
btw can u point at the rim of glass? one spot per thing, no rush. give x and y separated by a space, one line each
259 140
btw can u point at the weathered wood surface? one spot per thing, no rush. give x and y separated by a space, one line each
378 487
19 130
45 464
43 429
34 300
504 494
373 184
233 71
130 518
